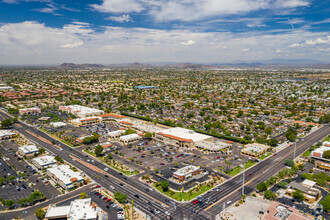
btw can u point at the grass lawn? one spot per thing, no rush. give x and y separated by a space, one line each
179 196
264 156
327 138
307 153
116 168
238 169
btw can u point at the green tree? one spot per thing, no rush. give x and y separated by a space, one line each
7 122
83 195
130 131
298 194
121 198
326 154
59 159
270 195
98 150
10 203
262 186
164 184
40 213
283 184
11 178
289 162
148 135
326 203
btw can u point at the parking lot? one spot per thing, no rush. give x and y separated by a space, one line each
156 155
32 176
14 189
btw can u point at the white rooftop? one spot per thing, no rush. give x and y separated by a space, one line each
129 137
115 133
185 170
79 209
57 211
82 209
28 149
64 173
321 149
213 146
308 183
185 134
81 109
58 124
6 133
45 160
255 147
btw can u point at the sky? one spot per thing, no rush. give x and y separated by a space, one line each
150 31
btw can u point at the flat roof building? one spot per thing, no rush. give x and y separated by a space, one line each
115 134
27 150
57 124
30 111
81 111
186 172
129 138
85 121
44 161
181 137
318 153
79 209
7 134
64 176
278 211
254 150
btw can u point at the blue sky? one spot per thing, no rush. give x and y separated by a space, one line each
121 31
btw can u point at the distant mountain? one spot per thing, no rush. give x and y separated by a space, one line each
284 62
79 66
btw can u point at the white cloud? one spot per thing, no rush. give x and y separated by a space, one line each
187 10
118 6
294 45
188 43
34 43
318 41
121 19
72 45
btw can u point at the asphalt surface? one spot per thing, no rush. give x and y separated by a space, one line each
230 190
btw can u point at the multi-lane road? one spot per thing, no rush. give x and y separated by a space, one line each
231 190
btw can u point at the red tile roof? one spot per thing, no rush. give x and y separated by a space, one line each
112 115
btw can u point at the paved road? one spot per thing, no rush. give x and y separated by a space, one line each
230 190
31 210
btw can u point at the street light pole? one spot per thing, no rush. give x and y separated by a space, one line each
243 178
294 150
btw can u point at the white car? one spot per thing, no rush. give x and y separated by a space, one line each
167 213
157 211
228 202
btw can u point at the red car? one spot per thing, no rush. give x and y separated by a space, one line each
143 154
97 186
108 200
218 157
98 194
105 198
46 182
195 202
178 156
